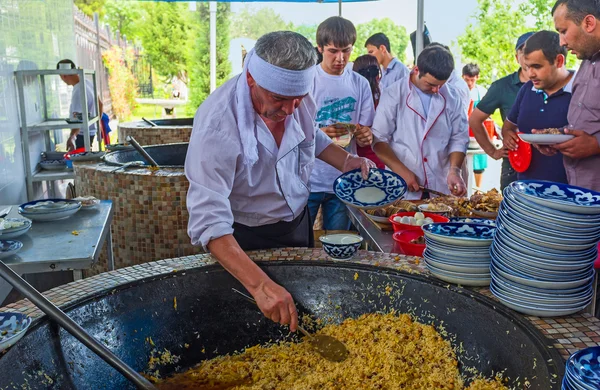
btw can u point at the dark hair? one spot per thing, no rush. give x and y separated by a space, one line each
437 61
546 41
577 10
368 67
336 31
470 70
319 55
378 40
66 61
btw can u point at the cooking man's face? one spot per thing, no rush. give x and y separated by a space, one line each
270 105
539 70
335 58
577 38
427 83
376 52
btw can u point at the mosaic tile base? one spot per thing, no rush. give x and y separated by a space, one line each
156 135
567 334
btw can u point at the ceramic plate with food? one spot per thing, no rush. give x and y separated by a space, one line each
548 136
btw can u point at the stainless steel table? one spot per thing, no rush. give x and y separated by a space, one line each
71 244
377 240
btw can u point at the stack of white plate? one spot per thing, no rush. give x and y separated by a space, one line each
545 247
459 252
49 209
13 227
583 370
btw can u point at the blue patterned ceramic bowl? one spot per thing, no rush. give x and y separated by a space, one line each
584 367
9 248
466 234
381 189
12 327
49 209
480 221
558 196
341 246
21 227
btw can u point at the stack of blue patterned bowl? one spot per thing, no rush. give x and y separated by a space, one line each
545 247
459 252
583 370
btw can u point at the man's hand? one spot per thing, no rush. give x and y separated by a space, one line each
546 150
582 146
456 184
276 303
334 131
363 135
412 181
510 139
71 143
499 153
355 162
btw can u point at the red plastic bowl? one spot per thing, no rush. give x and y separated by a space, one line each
399 227
406 247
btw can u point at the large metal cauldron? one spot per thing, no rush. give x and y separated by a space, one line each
169 155
211 320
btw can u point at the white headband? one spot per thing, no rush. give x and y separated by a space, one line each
281 81
274 79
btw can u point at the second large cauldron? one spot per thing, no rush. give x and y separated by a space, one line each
195 316
166 131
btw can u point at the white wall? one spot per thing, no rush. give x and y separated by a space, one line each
34 34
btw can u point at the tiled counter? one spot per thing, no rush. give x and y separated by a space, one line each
568 333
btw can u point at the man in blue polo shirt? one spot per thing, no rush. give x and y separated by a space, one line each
378 45
543 102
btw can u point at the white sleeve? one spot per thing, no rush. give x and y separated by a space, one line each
322 141
367 106
210 167
459 139
384 123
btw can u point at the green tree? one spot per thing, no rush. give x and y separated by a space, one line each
540 11
88 7
124 16
396 34
165 36
309 31
199 65
252 23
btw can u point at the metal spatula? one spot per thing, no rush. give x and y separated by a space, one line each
328 347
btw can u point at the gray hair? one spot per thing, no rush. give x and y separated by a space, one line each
287 50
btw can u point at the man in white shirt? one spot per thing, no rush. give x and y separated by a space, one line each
251 153
76 140
470 73
341 95
378 45
420 127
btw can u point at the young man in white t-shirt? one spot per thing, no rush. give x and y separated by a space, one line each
76 140
341 96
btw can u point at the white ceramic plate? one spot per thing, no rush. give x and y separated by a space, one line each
15 325
495 267
15 231
545 139
453 267
536 311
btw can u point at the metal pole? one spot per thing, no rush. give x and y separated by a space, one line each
213 45
340 7
420 27
73 328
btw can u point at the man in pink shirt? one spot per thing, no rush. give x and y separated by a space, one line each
578 23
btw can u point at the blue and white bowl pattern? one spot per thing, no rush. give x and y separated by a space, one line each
381 189
12 327
9 248
48 213
470 231
583 370
545 247
15 232
480 221
341 246
563 197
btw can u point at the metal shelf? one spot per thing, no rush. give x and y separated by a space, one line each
48 175
57 124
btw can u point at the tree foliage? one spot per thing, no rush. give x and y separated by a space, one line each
121 81
165 35
253 23
124 16
490 40
199 64
396 34
88 7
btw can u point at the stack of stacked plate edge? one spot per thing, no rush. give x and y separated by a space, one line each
544 248
459 252
51 210
583 370
13 232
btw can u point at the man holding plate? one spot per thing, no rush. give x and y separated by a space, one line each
251 153
578 23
